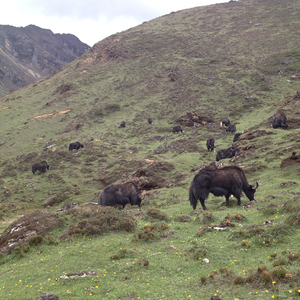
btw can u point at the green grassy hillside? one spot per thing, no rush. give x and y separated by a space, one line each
237 61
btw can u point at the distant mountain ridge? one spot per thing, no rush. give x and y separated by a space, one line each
29 53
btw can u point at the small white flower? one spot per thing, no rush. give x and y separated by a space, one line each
206 260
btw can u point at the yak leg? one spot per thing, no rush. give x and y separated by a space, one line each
227 199
123 201
135 200
202 203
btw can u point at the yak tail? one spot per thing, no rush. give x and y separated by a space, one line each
193 197
100 201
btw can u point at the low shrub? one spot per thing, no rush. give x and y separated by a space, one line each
198 251
157 214
97 221
239 280
266 277
120 254
261 268
278 273
293 220
279 262
250 278
203 279
150 232
35 240
143 262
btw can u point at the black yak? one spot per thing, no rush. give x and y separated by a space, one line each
236 137
227 153
280 121
176 129
230 180
150 120
225 123
122 125
231 128
75 145
120 194
210 144
42 166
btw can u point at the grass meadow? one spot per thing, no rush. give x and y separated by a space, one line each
193 68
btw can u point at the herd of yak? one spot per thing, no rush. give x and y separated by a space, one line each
226 181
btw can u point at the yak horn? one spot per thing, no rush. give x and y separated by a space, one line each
256 186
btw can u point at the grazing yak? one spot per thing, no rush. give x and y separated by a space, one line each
120 194
176 129
150 120
227 153
231 128
123 124
76 146
225 123
230 180
42 166
280 121
210 144
236 137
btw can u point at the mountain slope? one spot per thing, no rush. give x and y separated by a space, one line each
194 68
29 53
173 64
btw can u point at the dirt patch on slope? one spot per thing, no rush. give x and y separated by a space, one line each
24 229
292 114
151 176
291 160
192 119
52 114
256 133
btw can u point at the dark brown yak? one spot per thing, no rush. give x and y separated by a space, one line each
210 144
231 128
280 121
122 125
225 123
236 137
120 194
42 166
177 129
75 146
230 180
227 153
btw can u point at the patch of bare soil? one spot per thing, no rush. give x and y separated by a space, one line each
24 229
255 134
68 206
256 166
151 176
291 160
79 274
52 114
129 298
292 114
71 127
192 119
63 88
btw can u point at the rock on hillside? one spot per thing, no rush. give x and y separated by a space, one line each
29 53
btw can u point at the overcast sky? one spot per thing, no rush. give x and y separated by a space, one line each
90 20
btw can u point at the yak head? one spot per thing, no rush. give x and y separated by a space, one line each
251 191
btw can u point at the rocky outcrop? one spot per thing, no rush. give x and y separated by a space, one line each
29 53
